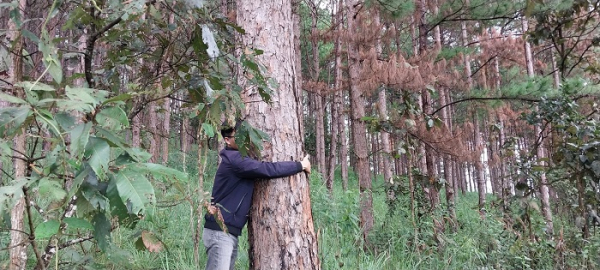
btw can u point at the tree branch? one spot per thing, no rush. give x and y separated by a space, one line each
31 227
484 98
89 48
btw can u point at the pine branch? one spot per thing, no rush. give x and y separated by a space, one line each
484 98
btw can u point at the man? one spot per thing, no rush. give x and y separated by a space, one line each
232 194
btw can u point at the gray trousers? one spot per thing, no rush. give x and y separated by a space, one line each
221 249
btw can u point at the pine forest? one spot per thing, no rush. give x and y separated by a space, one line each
443 134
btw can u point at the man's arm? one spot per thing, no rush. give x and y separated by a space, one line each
250 168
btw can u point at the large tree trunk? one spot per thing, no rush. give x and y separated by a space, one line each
544 190
281 232
359 130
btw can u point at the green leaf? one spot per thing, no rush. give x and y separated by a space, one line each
48 118
51 189
112 118
135 191
65 120
101 230
12 120
160 170
208 129
35 86
11 99
50 58
47 229
98 151
94 197
81 94
79 139
118 208
77 223
121 97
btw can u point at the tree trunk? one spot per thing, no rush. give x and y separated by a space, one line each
166 130
539 145
281 233
154 136
18 241
344 144
336 120
385 138
481 184
318 97
359 130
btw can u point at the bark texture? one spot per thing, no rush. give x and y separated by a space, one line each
281 233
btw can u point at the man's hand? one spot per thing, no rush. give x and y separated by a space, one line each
305 164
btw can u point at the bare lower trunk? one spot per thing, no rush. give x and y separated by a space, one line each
281 232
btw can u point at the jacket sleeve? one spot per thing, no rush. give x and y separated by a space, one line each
250 168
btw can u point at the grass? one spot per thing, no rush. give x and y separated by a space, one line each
394 242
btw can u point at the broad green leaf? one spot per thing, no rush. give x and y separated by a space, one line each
50 58
65 120
98 151
94 197
51 189
47 229
9 194
208 129
35 86
48 118
12 119
118 208
79 138
112 118
77 223
160 170
101 230
84 95
121 97
11 99
81 175
112 139
135 191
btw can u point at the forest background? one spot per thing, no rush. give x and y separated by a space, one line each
443 134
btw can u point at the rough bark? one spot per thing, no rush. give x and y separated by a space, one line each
281 232
359 130
18 241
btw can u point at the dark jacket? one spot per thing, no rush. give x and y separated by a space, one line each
234 185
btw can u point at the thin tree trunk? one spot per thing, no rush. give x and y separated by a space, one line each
285 237
18 241
544 190
385 138
344 145
154 133
481 184
318 97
